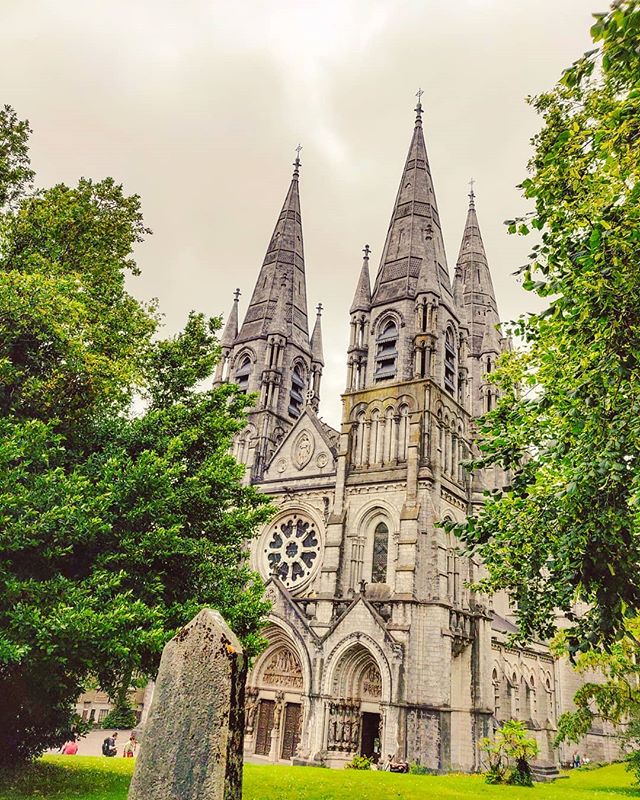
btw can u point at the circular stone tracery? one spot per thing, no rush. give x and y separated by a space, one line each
292 549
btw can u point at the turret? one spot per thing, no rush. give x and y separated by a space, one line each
359 328
475 298
272 354
317 360
229 336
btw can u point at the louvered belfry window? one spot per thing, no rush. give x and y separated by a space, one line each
387 352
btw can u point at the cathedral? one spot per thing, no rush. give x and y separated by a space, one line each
376 644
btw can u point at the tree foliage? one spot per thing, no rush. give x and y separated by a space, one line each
115 529
610 692
565 533
508 754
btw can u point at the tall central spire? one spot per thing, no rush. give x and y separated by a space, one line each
282 270
414 242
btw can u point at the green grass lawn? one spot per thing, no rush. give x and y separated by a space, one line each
95 778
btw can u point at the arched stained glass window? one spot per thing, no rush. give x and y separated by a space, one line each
380 553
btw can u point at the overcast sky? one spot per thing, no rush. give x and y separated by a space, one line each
197 106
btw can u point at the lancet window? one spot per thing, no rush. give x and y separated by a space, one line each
387 352
380 553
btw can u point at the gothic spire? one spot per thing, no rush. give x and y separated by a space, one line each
316 338
285 256
473 284
414 247
362 297
230 333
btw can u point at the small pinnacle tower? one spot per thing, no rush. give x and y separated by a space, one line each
360 313
317 359
473 289
229 336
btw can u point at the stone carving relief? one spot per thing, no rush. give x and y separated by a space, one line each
344 726
250 708
371 682
283 669
322 460
303 448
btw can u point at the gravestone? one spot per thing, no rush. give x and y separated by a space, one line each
193 737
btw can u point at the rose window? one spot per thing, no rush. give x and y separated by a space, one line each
292 549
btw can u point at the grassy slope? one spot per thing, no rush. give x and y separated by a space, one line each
95 778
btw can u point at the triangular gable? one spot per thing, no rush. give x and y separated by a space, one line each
285 608
362 616
306 451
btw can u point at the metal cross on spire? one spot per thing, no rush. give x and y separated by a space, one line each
296 163
236 295
366 250
418 108
472 194
319 309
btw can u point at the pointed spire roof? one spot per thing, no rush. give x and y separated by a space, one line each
316 338
230 333
278 323
473 282
362 297
414 247
285 256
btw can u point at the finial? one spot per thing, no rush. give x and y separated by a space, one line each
366 250
418 108
472 194
297 164
236 295
319 309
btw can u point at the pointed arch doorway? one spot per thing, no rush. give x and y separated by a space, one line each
275 700
355 721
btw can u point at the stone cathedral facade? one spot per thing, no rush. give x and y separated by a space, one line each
376 645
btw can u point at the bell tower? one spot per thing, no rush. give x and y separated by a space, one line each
271 353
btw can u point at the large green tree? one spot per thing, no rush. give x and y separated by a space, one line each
565 533
114 528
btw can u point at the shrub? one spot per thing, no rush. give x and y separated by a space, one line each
121 717
359 762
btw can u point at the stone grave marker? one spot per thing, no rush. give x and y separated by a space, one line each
192 742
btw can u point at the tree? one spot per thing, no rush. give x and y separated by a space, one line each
565 533
509 753
115 529
610 692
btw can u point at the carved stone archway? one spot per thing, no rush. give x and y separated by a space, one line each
275 700
355 718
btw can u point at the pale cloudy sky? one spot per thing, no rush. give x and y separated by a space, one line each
197 105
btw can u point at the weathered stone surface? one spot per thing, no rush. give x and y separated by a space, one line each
193 738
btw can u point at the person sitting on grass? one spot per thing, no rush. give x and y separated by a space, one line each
129 750
109 748
69 748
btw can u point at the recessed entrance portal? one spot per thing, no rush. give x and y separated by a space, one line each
370 743
354 723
